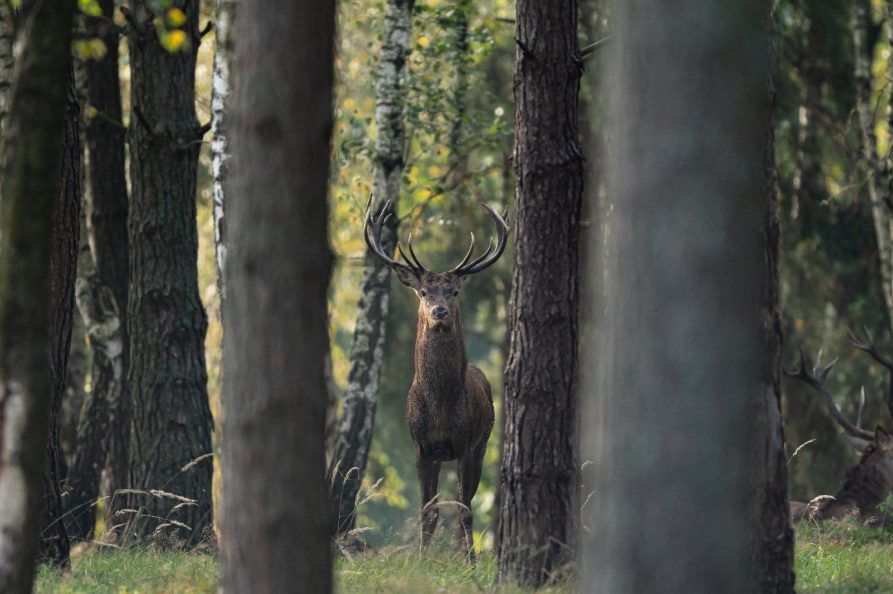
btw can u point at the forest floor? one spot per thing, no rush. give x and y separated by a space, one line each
832 558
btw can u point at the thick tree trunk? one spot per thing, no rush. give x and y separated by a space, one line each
63 269
170 449
351 453
772 544
680 351
877 170
539 506
7 65
275 524
30 188
220 151
104 428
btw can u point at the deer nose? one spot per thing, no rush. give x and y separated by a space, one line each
440 312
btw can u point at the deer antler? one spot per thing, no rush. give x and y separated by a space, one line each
486 259
870 348
818 380
372 235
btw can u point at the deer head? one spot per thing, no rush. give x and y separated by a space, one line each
437 291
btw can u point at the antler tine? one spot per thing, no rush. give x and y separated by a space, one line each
488 259
372 232
467 255
817 379
870 348
418 263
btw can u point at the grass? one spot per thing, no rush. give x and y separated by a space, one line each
834 558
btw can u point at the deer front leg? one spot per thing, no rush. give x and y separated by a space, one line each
469 471
428 472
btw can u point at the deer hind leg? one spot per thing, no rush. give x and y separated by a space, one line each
469 471
428 472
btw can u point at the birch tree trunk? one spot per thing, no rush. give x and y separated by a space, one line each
276 533
772 540
30 186
170 448
877 170
63 269
680 355
102 293
539 508
351 452
220 151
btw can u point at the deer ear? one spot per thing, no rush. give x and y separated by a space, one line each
408 278
880 436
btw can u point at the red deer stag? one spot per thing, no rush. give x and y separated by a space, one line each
449 408
869 482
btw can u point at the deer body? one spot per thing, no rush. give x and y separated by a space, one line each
449 408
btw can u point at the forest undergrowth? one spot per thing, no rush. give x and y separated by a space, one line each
838 558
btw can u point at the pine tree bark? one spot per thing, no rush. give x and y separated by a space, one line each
772 544
102 293
63 269
275 525
680 351
30 188
539 509
220 151
171 441
348 465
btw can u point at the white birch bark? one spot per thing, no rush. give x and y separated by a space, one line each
355 427
220 151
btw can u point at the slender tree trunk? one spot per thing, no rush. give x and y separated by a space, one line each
680 355
351 452
275 528
170 449
102 291
220 151
30 188
539 508
63 269
772 544
877 170
458 154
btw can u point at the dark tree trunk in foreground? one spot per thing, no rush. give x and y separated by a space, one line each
680 352
772 545
54 545
351 452
30 187
7 65
275 522
539 508
170 449
104 429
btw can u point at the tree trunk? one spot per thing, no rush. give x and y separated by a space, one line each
30 187
63 269
102 291
366 354
877 170
275 524
538 506
772 544
170 448
220 151
680 352
7 65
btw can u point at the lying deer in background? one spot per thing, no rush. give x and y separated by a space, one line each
869 482
449 408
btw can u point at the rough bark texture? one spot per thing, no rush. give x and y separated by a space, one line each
170 449
877 170
30 188
355 427
54 545
275 523
772 544
104 428
539 508
220 151
680 351
7 63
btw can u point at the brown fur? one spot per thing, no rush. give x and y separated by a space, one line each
449 409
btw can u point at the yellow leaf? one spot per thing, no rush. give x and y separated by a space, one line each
423 41
174 41
175 17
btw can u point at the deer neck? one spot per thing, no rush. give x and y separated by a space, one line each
865 487
440 357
